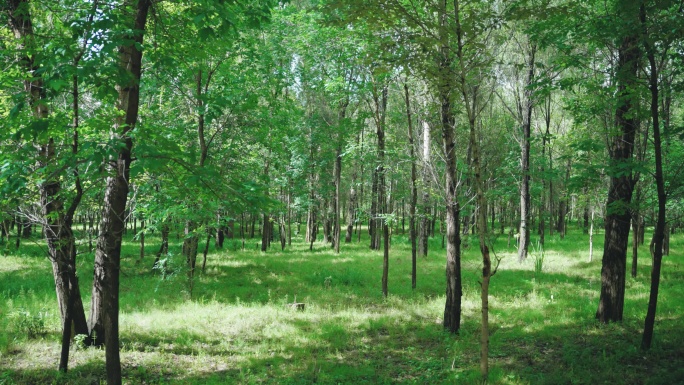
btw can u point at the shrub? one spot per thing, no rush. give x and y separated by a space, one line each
33 325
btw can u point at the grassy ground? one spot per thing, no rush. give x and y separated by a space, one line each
237 329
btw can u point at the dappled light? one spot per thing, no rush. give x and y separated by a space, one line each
341 192
235 331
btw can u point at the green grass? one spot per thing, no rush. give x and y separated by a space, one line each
237 329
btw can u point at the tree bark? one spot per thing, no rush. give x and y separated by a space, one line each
58 221
635 244
660 229
414 187
424 230
380 101
266 228
104 316
206 251
454 290
142 239
613 270
190 250
526 115
591 235
336 231
373 231
351 211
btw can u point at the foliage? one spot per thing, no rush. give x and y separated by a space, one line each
30 324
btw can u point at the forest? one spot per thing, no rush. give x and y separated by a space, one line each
341 192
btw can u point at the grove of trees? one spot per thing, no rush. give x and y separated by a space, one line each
465 120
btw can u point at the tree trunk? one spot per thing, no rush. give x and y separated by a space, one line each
562 211
266 233
635 244
351 211
454 290
266 228
591 236
142 239
526 115
660 229
414 187
252 229
311 225
373 231
613 270
336 205
424 230
283 236
380 100
289 219
190 249
327 221
58 222
666 240
471 93
206 251
104 319
585 218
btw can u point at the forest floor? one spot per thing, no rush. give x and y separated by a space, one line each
237 327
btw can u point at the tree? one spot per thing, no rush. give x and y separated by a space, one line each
414 188
613 270
104 313
656 41
57 220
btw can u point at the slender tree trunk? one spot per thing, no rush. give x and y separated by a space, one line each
142 239
481 225
336 205
266 233
283 236
289 218
373 222
526 111
190 249
635 244
454 290
380 100
424 231
414 187
591 236
266 228
351 210
526 114
613 270
252 229
206 251
660 229
311 225
666 240
546 111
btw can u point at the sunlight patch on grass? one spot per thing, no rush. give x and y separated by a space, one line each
236 331
233 263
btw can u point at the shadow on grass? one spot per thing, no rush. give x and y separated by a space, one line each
542 328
